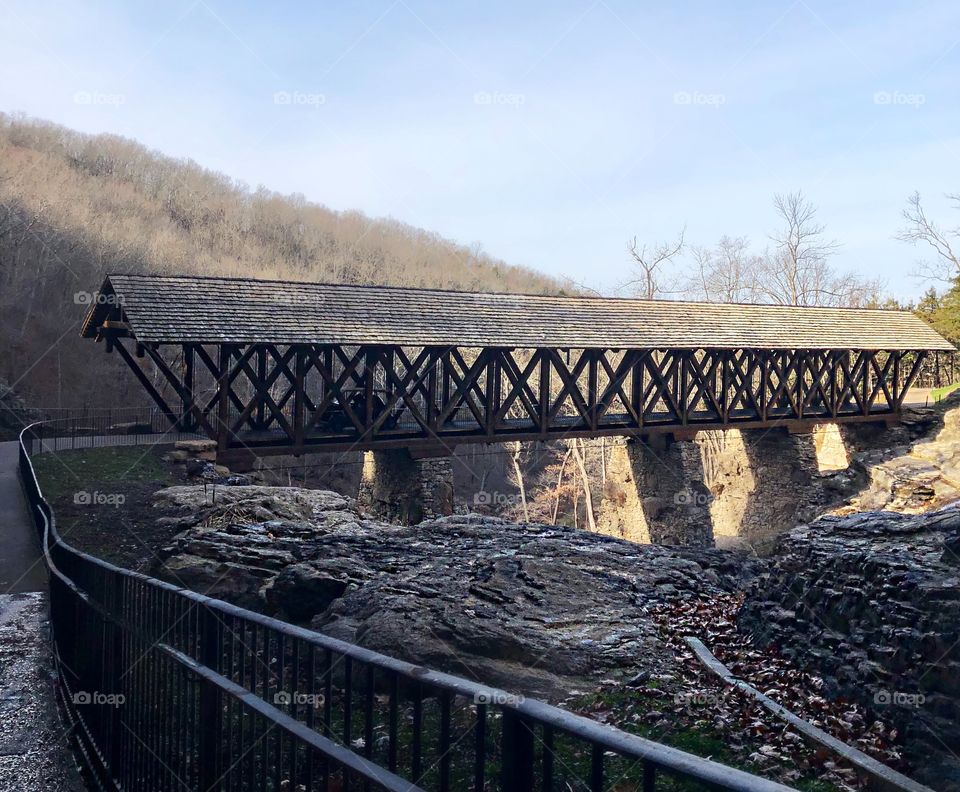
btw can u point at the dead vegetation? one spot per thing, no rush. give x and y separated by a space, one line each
74 207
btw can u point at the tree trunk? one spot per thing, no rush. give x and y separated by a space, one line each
515 457
578 457
556 503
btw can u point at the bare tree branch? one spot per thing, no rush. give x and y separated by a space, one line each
649 265
919 229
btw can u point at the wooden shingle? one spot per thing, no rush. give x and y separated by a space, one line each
227 310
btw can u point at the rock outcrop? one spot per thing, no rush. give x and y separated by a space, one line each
916 469
871 601
531 607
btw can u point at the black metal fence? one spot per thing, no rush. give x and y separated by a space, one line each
72 428
166 689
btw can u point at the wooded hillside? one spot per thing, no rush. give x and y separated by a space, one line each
74 207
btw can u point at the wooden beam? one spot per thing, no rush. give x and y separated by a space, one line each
144 381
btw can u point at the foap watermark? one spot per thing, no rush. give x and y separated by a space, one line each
497 698
297 698
99 99
695 699
299 98
300 299
914 100
898 698
699 98
690 497
88 298
485 498
82 698
84 498
499 98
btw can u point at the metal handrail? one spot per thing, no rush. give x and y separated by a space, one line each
219 663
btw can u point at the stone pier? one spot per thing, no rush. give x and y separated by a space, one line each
396 487
728 487
655 494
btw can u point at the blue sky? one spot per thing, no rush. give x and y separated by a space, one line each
551 133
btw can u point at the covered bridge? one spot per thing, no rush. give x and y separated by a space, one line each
278 368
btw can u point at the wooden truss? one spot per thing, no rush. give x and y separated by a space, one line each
296 399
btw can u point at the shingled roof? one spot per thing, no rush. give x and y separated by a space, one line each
232 310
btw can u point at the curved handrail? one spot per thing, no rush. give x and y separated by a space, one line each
530 715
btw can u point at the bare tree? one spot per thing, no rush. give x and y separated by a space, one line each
558 490
518 473
727 273
649 266
798 272
919 229
578 448
795 271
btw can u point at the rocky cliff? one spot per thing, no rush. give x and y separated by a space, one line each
871 603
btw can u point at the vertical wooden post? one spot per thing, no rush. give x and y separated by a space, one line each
188 421
369 364
299 403
636 386
865 381
223 393
258 387
544 391
684 390
724 385
493 389
593 384
764 384
432 390
834 366
895 391
445 379
801 364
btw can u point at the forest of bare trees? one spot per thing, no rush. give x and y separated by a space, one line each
74 207
794 268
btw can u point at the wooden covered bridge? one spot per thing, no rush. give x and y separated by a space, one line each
274 367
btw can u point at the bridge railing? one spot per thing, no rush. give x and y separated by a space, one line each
168 689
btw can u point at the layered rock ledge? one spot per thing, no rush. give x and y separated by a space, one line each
530 607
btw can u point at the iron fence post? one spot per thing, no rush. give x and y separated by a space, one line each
208 742
517 755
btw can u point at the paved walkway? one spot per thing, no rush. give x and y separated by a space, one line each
20 566
34 753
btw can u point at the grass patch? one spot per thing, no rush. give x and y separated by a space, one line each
103 501
66 472
937 394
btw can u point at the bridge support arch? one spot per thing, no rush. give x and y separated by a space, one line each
397 487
